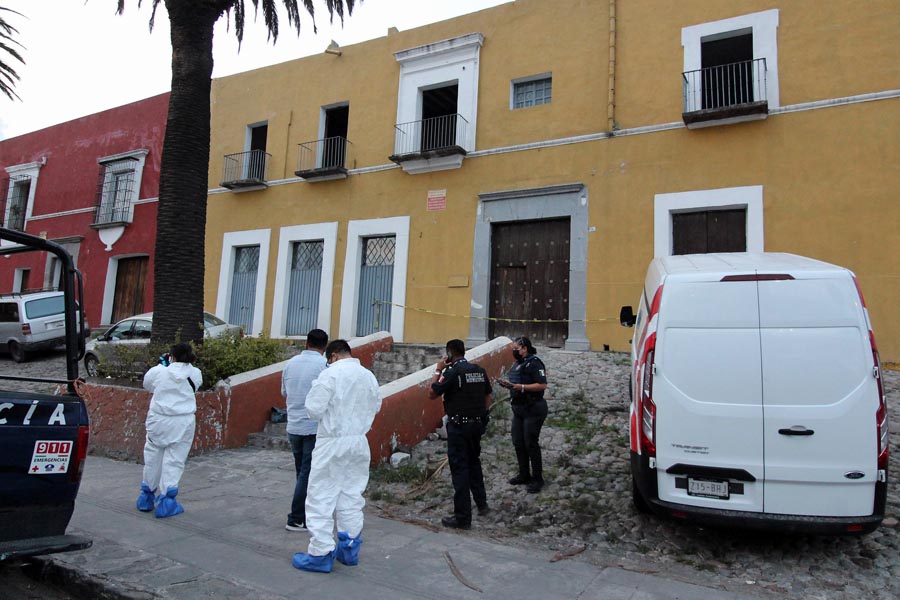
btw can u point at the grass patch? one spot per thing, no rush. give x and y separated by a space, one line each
407 473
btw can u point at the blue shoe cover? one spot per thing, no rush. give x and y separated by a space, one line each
168 506
347 549
147 500
316 564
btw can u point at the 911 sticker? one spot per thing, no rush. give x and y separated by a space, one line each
50 456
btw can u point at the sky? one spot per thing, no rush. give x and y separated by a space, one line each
82 58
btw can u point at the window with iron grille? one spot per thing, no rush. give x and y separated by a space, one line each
17 202
379 251
532 92
117 191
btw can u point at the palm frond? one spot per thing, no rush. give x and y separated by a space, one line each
269 9
8 75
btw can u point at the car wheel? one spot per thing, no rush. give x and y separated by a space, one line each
91 365
638 500
17 351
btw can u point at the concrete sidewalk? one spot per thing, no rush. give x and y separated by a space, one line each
231 543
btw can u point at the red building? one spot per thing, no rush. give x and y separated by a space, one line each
92 185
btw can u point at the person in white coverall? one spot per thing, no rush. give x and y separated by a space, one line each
344 400
170 429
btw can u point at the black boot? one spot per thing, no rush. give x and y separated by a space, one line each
453 523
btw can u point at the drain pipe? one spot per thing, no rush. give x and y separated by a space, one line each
611 107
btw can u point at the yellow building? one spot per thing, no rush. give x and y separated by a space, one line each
528 161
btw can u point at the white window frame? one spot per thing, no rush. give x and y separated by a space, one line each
434 65
248 134
230 242
52 272
529 79
140 157
765 44
17 278
30 170
357 231
286 238
665 205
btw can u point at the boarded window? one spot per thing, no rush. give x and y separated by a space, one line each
707 231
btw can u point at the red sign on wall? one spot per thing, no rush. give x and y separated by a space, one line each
437 200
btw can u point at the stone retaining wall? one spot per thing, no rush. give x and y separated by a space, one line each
227 415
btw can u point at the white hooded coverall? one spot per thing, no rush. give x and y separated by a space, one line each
344 399
170 423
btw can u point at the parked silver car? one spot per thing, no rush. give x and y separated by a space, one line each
135 331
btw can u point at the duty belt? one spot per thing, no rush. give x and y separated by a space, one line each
461 420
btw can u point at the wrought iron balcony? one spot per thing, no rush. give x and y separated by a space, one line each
246 170
323 159
429 138
115 192
725 94
115 213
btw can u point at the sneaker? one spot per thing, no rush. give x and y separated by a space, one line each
294 526
535 486
483 509
520 480
453 523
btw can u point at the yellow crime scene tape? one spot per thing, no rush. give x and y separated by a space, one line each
444 314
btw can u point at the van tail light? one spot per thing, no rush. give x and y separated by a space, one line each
80 454
647 408
881 416
26 328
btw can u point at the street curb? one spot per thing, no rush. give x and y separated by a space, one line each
80 583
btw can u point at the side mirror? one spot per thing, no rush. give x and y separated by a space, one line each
626 317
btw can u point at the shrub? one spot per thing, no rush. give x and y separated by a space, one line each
218 358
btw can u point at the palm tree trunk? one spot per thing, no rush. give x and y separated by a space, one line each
181 220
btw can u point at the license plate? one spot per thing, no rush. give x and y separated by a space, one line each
708 488
55 324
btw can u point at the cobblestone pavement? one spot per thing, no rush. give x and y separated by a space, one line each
50 364
587 500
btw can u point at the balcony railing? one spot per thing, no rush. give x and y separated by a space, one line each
426 138
325 158
113 213
736 91
246 169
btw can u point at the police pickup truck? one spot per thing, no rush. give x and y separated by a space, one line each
43 437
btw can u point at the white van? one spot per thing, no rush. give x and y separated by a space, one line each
32 321
757 397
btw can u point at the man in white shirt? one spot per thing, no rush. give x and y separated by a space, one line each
344 399
296 380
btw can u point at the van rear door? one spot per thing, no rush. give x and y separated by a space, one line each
708 393
820 397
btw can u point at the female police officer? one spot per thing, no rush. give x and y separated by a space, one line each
527 382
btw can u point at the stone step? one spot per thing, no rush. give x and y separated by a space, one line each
265 440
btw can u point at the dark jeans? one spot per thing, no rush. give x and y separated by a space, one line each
302 447
526 431
464 456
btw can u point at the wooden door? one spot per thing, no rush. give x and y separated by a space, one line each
709 231
129 295
530 280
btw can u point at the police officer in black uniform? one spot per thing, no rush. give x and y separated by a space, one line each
467 392
526 384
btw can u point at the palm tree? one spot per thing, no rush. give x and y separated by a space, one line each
8 75
181 217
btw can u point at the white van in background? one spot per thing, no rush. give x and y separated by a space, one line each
757 397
